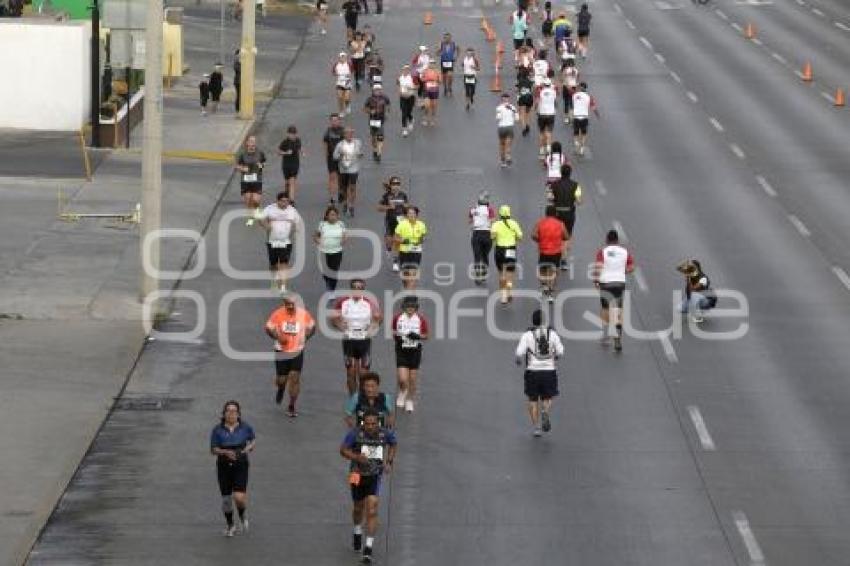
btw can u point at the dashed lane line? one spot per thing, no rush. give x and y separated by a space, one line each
750 542
765 186
692 96
736 149
601 188
716 124
798 224
842 276
702 430
676 77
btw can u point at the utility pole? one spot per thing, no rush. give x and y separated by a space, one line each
246 56
95 74
152 151
221 32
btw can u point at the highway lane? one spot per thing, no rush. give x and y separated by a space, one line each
625 477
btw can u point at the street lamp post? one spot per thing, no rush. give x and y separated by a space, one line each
95 74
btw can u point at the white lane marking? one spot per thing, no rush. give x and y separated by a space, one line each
842 276
630 24
676 77
722 15
753 548
799 74
702 430
621 231
736 26
692 96
736 149
600 186
757 41
641 280
716 123
645 42
618 9
660 58
842 26
798 224
669 350
765 186
827 96
818 13
779 57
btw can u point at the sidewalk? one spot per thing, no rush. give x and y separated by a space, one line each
69 312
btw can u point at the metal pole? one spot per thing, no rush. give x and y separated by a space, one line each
152 151
95 74
127 97
221 33
246 55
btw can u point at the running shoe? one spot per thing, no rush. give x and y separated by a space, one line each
408 405
404 132
537 432
357 542
230 531
396 267
278 397
291 412
244 526
249 222
399 402
618 344
367 555
544 418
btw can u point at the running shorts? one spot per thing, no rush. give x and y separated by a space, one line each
579 126
287 362
279 254
611 291
541 384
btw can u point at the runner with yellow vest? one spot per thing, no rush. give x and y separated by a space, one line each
506 233
409 233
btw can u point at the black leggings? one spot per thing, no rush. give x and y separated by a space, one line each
359 69
568 100
406 104
481 246
470 89
330 269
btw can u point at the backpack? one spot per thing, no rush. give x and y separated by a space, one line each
542 346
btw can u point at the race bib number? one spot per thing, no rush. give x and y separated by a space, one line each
290 328
469 79
510 254
375 123
431 85
278 244
249 178
356 333
408 343
447 64
373 452
377 78
343 82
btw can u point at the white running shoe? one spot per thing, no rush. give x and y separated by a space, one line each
404 132
249 222
396 267
244 525
408 405
399 402
230 531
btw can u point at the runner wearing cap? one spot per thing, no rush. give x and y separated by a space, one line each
377 107
420 65
410 329
431 81
547 101
406 99
481 217
506 233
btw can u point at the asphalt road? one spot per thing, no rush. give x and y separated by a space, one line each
684 451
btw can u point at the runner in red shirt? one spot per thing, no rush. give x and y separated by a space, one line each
550 235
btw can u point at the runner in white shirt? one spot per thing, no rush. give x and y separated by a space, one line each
613 262
470 66
539 349
583 103
283 223
540 67
481 217
555 159
569 83
343 72
547 101
358 317
420 63
506 116
406 99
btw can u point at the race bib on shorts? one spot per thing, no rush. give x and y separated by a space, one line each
249 178
447 64
469 79
510 254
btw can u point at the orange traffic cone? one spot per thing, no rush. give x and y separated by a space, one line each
807 72
491 35
484 24
839 97
428 19
750 31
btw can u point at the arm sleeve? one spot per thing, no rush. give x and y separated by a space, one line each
391 438
559 346
630 261
424 324
348 441
249 433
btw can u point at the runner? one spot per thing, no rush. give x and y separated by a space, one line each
392 204
377 106
547 102
506 233
546 26
565 194
343 71
550 235
539 348
410 328
519 28
448 56
230 442
406 99
553 162
525 99
333 135
291 153
583 31
420 64
322 15
540 68
375 68
357 46
569 83
562 28
357 317
409 234
431 79
290 327
481 217
525 59
471 66
250 164
350 9
348 153
506 116
371 450
282 222
613 262
330 237
370 397
583 103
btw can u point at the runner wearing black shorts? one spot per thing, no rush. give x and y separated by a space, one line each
230 442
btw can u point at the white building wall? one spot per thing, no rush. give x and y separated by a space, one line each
45 83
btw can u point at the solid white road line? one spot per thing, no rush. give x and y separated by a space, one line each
690 94
660 58
736 149
750 542
798 224
645 42
676 77
818 13
765 186
600 186
842 26
702 430
737 27
722 15
716 123
842 276
641 280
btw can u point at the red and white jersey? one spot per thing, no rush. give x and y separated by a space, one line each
547 101
541 71
570 77
404 326
553 162
612 263
481 216
357 314
342 72
583 103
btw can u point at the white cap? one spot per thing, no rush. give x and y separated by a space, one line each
343 54
547 82
423 48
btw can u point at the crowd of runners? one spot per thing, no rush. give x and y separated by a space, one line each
550 48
